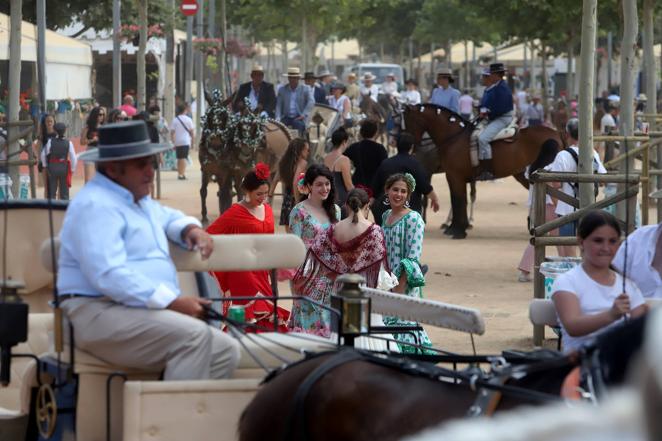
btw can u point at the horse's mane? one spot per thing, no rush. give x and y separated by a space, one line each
445 109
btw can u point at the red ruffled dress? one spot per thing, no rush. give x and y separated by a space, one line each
238 220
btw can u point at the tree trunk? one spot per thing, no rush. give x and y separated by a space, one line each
304 48
628 47
651 76
141 93
284 54
169 88
545 94
16 16
117 55
465 82
570 78
587 73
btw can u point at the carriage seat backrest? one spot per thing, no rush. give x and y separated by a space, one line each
240 252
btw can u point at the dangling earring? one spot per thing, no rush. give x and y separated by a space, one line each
386 201
407 203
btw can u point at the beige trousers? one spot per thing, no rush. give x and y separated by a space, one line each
185 347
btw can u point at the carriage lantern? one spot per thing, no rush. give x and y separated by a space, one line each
354 308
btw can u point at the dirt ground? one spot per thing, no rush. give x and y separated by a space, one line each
478 272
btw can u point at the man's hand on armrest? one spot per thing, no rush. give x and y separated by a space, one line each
193 306
197 238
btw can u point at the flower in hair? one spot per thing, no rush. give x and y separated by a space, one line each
367 189
262 171
410 181
301 184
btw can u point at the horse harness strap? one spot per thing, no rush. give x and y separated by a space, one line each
487 400
297 417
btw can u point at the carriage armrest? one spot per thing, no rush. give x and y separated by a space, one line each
429 312
543 312
241 252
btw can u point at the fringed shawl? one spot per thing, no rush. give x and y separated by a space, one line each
327 259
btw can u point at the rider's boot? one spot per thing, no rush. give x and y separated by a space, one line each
486 170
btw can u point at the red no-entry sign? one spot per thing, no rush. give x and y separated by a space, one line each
189 7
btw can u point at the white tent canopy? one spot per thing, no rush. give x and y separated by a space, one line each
68 61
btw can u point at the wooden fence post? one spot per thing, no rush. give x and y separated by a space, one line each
539 204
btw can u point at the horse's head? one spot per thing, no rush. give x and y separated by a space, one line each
413 122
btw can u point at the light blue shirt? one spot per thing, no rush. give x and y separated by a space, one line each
448 98
115 247
294 110
253 98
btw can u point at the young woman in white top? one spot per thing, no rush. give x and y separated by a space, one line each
411 95
590 297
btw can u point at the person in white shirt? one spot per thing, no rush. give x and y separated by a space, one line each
411 95
390 86
368 89
644 258
565 162
592 297
466 104
183 135
609 122
522 100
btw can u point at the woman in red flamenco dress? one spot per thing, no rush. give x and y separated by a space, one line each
250 216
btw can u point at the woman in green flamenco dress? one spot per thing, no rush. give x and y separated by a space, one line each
403 231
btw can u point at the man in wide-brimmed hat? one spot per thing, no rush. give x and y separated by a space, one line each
352 88
260 93
319 93
326 79
444 94
116 280
497 107
294 102
368 88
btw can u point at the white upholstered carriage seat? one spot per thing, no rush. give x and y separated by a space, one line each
231 253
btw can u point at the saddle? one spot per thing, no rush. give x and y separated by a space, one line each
507 134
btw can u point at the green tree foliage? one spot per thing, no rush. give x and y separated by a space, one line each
91 14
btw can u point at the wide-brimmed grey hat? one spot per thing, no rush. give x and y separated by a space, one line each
122 141
324 73
656 194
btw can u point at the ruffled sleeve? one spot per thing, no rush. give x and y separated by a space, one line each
413 247
296 220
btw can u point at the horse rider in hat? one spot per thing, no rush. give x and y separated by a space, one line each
368 88
352 88
444 94
497 107
116 280
295 101
318 91
260 93
326 80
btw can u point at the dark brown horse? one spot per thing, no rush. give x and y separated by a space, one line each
451 135
363 400
226 163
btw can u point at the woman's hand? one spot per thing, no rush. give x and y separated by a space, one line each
620 307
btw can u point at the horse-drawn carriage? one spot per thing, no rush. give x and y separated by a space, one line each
71 394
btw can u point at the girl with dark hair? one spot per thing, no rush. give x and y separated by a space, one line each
353 245
252 215
590 297
89 136
341 167
403 230
317 210
291 165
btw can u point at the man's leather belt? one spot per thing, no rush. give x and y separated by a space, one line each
63 297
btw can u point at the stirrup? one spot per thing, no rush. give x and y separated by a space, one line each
485 176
